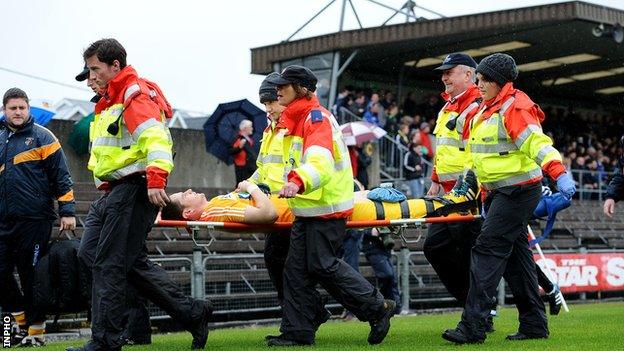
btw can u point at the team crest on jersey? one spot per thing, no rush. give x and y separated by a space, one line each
29 141
229 196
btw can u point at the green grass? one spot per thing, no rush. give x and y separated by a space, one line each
588 327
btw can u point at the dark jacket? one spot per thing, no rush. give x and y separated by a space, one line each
615 190
33 173
410 161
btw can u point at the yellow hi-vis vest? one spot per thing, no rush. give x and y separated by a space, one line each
271 162
327 176
451 156
116 156
500 162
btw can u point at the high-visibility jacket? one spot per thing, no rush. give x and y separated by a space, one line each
143 143
451 157
507 144
271 162
318 161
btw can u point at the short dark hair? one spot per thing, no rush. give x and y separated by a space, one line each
14 93
172 211
107 50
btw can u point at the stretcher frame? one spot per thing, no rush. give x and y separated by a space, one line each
394 226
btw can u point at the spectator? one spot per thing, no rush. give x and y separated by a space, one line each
364 160
372 114
359 106
413 170
244 154
33 175
392 120
387 100
410 104
425 139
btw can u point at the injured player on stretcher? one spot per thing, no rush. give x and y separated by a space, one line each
250 205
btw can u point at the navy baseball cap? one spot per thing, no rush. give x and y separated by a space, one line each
457 58
295 75
82 76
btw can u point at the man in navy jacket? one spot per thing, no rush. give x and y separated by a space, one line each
33 173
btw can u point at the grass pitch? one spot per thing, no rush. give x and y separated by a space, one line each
597 326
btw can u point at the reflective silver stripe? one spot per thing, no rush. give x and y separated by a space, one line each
314 175
97 182
255 176
530 129
145 125
323 210
271 159
493 148
462 117
502 133
159 155
543 152
445 177
450 142
345 163
506 105
131 90
317 150
296 145
138 166
112 141
513 180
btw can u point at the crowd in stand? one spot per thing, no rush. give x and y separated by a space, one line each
589 149
585 142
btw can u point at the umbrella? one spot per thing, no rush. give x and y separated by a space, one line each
357 133
41 115
221 129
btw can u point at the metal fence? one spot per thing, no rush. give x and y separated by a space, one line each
239 283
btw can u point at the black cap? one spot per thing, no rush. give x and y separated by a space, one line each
457 58
268 91
82 76
296 75
499 68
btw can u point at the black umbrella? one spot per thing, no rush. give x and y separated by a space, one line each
221 129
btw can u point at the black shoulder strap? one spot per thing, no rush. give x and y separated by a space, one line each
379 209
405 211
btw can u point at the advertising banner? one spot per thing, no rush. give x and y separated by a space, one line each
585 272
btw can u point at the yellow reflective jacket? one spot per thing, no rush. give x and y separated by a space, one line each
318 160
142 142
271 162
451 157
507 145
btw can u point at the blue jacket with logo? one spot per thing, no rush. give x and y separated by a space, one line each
33 173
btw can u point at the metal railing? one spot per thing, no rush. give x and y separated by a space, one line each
593 191
391 152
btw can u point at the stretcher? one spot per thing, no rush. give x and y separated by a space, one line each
394 226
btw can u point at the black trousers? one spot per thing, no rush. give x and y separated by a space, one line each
502 250
447 248
121 221
543 280
138 328
275 253
22 244
311 260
